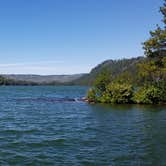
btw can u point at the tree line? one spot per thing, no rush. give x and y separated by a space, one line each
145 83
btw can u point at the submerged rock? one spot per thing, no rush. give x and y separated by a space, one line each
83 99
51 99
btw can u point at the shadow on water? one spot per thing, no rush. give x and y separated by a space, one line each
51 124
135 134
151 107
127 107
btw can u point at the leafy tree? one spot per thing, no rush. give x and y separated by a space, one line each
156 45
99 87
102 80
163 11
148 95
117 93
162 87
92 95
148 77
149 72
124 77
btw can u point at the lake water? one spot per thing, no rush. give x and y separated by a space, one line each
43 126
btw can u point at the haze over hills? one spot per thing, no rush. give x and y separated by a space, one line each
115 67
42 78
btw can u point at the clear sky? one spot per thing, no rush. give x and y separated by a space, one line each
72 36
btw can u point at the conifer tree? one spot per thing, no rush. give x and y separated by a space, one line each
156 45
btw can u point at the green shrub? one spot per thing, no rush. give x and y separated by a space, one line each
105 98
117 93
162 87
92 95
102 80
148 95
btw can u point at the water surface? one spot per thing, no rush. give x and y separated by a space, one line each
45 126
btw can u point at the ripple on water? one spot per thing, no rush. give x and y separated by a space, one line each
38 128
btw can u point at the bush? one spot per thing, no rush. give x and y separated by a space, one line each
102 80
162 87
117 93
148 95
105 98
92 95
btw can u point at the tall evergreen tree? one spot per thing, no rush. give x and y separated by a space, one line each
156 45
163 11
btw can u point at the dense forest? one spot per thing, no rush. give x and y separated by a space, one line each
114 67
142 80
7 82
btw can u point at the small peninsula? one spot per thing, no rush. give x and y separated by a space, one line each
141 83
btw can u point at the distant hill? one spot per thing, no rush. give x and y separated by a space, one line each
43 79
115 67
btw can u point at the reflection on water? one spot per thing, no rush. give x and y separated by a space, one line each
127 107
141 132
36 130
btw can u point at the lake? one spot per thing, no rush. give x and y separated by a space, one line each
43 125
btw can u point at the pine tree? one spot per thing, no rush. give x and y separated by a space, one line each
163 11
156 45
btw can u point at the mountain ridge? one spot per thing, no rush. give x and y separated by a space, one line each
42 78
115 67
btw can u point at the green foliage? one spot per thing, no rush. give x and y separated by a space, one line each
148 95
151 89
114 67
100 84
6 81
162 86
146 86
139 81
152 71
156 45
163 11
105 98
92 95
114 93
102 80
164 62
148 72
118 93
125 77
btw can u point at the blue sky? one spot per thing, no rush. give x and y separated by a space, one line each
72 36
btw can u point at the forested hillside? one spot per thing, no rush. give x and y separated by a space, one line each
114 67
141 81
7 81
43 79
